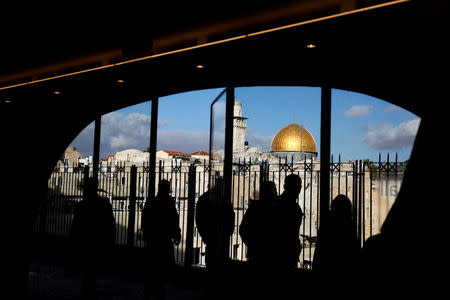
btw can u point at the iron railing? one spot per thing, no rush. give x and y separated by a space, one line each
372 188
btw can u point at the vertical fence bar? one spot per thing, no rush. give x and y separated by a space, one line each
355 196
188 259
310 207
339 174
331 177
346 183
363 199
236 240
304 212
132 206
360 209
371 203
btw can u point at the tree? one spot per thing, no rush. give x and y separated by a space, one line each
370 165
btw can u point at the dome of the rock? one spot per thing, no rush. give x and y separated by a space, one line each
294 141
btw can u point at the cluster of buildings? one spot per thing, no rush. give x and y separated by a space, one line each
72 157
292 143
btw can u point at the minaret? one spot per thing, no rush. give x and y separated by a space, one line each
239 128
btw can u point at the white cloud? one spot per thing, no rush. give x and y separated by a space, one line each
392 108
118 132
387 137
183 140
358 110
257 140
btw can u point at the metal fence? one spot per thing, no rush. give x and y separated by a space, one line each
372 188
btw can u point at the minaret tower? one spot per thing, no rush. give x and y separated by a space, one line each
239 128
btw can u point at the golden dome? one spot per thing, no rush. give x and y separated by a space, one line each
293 138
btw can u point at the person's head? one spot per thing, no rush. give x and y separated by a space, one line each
164 187
293 184
268 191
341 207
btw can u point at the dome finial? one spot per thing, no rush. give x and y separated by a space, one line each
294 118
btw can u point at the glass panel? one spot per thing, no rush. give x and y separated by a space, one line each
125 140
217 142
183 139
371 140
277 133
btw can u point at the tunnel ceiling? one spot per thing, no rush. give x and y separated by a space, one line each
383 52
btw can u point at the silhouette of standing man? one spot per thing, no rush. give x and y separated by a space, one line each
215 222
93 233
256 231
257 226
160 224
288 218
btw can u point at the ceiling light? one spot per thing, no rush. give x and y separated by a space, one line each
120 81
311 46
7 101
57 92
199 66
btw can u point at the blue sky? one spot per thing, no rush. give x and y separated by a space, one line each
362 126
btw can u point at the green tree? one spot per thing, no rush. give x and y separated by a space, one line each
370 165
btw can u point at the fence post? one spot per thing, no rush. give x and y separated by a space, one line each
132 206
263 173
160 171
190 217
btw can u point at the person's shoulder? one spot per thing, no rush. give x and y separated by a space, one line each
204 196
296 208
105 201
203 199
171 200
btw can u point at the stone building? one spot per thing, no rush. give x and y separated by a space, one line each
70 157
199 155
132 156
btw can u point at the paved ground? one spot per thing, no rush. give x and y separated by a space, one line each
50 282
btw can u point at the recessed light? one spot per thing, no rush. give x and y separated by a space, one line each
57 92
120 81
7 101
311 46
200 66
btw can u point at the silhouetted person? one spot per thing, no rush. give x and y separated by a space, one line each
337 251
257 226
92 234
160 224
215 223
287 220
256 231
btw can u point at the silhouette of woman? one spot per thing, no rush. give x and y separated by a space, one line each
337 249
